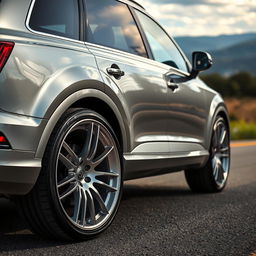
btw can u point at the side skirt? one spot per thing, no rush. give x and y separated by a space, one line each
141 165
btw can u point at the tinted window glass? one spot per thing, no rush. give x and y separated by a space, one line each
58 17
111 24
163 49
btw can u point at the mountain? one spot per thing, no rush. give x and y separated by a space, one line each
239 57
231 53
205 43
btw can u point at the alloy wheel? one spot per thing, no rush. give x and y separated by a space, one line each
220 155
88 174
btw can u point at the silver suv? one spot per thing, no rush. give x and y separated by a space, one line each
95 92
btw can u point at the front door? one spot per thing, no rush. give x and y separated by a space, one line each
186 101
115 41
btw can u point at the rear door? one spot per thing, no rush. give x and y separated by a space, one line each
186 101
115 40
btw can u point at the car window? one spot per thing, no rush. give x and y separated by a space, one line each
163 48
110 23
57 17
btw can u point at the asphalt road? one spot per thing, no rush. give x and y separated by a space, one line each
160 216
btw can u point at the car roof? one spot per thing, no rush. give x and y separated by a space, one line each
136 3
133 3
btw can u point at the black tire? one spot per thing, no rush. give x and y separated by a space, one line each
208 179
45 208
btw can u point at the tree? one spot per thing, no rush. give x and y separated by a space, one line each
242 84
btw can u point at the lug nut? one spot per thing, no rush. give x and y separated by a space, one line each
87 179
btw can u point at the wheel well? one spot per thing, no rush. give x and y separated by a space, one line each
223 115
103 109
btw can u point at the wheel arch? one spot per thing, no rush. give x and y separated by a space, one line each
218 108
101 107
111 109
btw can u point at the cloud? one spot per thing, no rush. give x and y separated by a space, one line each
204 17
189 2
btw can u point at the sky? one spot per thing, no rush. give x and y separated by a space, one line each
203 17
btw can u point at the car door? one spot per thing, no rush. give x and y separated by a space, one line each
186 100
114 39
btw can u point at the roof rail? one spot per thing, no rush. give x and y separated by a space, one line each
133 1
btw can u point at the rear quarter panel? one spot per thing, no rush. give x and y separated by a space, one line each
39 71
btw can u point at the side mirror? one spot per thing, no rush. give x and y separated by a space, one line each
201 61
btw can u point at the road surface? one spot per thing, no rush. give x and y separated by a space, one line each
160 216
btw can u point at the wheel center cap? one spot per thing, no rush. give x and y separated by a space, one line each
81 173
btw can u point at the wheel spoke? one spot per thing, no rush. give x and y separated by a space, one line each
91 207
71 177
215 140
66 162
219 132
224 149
87 144
106 186
94 144
99 199
221 174
100 158
223 136
70 190
84 206
78 198
108 174
216 171
224 155
73 155
215 168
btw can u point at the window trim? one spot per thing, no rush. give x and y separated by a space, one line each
85 21
81 15
188 64
82 19
142 33
118 49
83 24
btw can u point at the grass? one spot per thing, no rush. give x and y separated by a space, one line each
241 130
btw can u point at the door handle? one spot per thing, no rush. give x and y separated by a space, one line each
115 71
172 85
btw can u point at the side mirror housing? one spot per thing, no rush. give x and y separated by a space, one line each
201 61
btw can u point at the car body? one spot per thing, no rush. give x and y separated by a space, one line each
162 116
